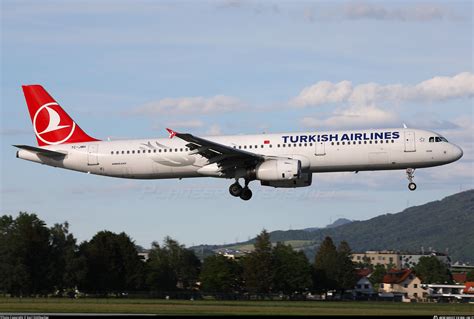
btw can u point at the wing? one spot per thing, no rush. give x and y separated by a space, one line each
229 159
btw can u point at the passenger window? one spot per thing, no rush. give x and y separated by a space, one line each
270 145
301 144
128 152
245 146
175 149
250 146
376 141
310 144
289 145
343 143
256 146
154 151
165 150
360 142
370 142
261 146
284 145
123 152
305 144
294 145
332 143
337 143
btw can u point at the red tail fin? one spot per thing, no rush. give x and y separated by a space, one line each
52 125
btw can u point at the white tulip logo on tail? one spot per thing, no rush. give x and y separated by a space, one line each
48 127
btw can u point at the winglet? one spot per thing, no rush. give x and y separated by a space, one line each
172 133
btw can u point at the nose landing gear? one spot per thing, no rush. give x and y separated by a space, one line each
410 176
238 191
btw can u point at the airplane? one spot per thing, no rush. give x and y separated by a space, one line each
286 160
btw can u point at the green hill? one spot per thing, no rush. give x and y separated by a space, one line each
443 225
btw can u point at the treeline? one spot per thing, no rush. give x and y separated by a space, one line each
37 260
41 261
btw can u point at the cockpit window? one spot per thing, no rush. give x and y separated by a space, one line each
437 139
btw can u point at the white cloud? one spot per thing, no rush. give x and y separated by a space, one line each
357 117
367 104
188 105
214 130
186 124
439 88
417 12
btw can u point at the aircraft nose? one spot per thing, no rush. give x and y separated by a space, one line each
457 152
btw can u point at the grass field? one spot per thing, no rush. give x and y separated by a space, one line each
202 307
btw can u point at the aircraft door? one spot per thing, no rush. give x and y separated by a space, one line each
92 156
410 141
320 148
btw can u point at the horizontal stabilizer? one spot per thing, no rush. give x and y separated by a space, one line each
42 151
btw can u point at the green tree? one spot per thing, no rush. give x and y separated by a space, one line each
432 271
325 266
346 274
160 275
258 272
470 276
112 264
24 255
292 270
377 275
172 266
221 274
63 259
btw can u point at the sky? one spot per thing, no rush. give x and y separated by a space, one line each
129 69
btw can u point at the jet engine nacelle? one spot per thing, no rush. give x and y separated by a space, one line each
304 180
278 170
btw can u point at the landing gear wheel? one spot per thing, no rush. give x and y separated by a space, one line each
235 189
246 193
411 176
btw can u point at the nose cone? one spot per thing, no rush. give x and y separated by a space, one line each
457 152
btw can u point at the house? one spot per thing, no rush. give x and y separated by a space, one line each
363 286
388 258
403 282
460 278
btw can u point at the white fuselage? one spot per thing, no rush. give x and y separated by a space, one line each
335 151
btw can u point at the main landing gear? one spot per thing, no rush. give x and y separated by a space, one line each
238 191
410 176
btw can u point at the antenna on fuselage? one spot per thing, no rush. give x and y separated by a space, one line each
404 125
